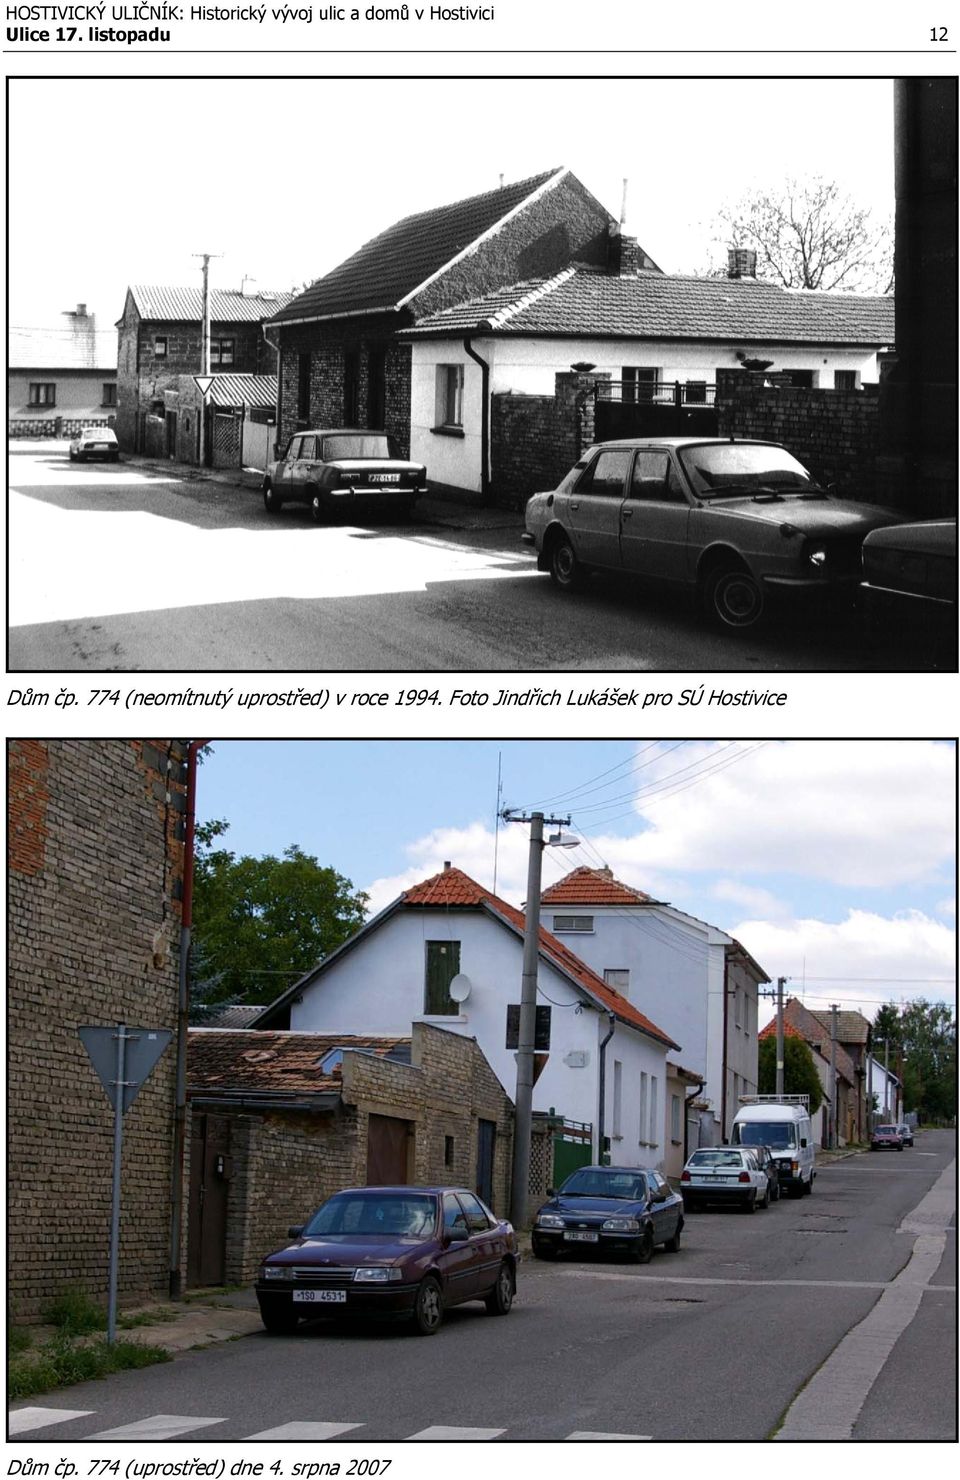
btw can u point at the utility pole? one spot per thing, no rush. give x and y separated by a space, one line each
523 1102
886 1077
833 1138
781 983
205 347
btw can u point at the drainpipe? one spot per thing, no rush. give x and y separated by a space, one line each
276 350
723 1062
183 1017
603 1086
686 1106
484 420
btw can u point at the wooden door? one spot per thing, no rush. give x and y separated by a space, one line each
388 1144
210 1168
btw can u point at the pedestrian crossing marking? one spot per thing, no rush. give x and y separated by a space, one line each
22 1420
589 1436
157 1426
449 1431
301 1430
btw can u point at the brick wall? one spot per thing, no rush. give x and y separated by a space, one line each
328 348
833 433
535 440
93 896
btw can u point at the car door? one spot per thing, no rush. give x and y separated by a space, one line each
458 1259
655 519
283 477
665 1214
593 507
485 1243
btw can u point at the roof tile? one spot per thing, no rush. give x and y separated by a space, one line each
178 305
271 1062
593 886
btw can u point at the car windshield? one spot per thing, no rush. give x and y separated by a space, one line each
358 444
777 1134
605 1184
363 1214
886 1130
719 468
718 1158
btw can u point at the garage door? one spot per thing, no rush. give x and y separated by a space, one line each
388 1142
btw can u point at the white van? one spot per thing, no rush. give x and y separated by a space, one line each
784 1125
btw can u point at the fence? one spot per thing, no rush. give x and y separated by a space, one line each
57 426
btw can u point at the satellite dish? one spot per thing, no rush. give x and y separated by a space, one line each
460 987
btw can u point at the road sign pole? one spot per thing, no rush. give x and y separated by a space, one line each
121 1038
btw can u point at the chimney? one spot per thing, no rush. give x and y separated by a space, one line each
741 262
447 865
81 310
624 252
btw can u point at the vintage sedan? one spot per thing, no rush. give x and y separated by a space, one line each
400 1252
724 1174
609 1210
736 523
886 1138
95 442
909 590
343 471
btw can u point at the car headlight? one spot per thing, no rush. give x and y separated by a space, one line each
550 1220
817 557
620 1225
276 1272
377 1274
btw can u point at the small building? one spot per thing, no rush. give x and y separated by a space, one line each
239 421
280 1120
61 376
800 1022
160 340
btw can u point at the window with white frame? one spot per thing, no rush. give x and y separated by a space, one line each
449 396
640 382
654 1132
43 393
564 924
643 1107
676 1131
617 1097
221 352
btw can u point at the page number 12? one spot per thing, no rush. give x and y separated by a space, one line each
939 33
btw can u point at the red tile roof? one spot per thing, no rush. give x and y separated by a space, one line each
453 889
593 886
388 269
268 1062
800 1022
656 305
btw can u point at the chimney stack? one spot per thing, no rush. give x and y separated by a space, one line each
446 865
623 259
741 262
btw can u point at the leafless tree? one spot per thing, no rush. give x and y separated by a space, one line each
807 234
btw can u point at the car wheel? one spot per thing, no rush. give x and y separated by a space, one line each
750 1203
765 1200
279 1320
672 1245
428 1307
500 1299
643 1253
735 598
566 572
316 509
271 503
73 455
808 1188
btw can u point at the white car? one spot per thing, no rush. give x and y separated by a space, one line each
95 442
727 1174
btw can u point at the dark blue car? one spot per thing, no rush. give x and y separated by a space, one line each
609 1210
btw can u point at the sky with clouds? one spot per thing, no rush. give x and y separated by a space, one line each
832 861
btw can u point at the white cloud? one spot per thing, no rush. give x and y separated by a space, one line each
758 901
468 848
875 813
947 907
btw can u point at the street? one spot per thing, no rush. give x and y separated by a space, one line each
130 568
727 1340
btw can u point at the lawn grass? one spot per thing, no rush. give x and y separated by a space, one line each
63 1361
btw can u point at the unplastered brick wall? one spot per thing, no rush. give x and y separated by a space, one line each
535 440
833 433
328 347
95 877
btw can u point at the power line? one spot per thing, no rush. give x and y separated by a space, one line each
585 788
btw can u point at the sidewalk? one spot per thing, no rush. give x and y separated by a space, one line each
203 1318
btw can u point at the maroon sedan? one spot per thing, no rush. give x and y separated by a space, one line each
404 1252
886 1138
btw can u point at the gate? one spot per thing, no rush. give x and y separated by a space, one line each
486 1145
210 1169
225 451
655 409
387 1142
572 1148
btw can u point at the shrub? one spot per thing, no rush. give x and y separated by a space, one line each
75 1314
60 1362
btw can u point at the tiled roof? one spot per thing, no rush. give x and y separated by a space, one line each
593 886
800 1021
243 389
388 269
655 305
62 346
852 1027
454 889
237 1015
266 1062
180 305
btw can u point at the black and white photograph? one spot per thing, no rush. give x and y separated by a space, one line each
483 374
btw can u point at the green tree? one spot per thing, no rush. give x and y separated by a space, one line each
800 1075
923 1052
259 923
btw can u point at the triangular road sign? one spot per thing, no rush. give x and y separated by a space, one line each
203 383
142 1049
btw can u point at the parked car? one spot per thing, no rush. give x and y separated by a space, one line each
768 1165
906 1134
407 1252
782 1123
909 589
886 1138
343 471
95 442
609 1210
724 1174
737 523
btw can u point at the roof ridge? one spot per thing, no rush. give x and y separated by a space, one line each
534 296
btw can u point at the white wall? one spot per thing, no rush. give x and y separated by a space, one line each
451 460
377 987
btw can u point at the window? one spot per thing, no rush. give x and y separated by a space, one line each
695 392
643 1107
676 1132
109 394
454 1218
617 977
308 448
650 472
43 393
654 1135
351 387
606 475
443 963
221 352
803 379
845 380
160 346
448 1151
478 1220
331 1060
617 1096
562 923
639 383
449 395
736 1007
303 386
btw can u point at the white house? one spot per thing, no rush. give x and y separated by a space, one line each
399 967
885 1086
696 980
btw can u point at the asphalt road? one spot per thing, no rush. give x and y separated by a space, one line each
127 568
718 1342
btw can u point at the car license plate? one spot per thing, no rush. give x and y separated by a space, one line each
583 1238
320 1297
712 1179
384 477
